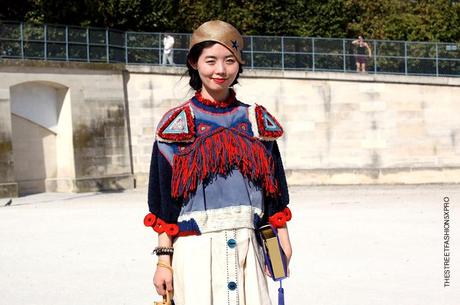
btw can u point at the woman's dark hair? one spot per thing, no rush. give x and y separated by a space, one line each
192 56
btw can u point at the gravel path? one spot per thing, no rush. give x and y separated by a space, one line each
353 245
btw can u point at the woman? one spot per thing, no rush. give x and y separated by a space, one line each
215 176
361 48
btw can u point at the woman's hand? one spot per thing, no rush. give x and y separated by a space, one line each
163 280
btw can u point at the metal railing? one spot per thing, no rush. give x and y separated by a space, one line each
71 43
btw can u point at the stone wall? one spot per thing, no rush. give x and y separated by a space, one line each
151 93
92 147
339 128
8 186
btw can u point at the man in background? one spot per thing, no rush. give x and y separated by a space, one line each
168 44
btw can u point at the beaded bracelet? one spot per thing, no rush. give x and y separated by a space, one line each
163 251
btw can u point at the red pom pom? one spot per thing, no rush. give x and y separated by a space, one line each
287 213
149 220
172 229
278 220
160 226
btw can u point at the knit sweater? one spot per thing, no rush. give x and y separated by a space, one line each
216 168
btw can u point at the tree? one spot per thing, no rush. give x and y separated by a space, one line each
422 20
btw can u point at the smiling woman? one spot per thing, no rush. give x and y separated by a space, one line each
216 175
217 68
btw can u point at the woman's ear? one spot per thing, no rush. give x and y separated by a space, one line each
193 65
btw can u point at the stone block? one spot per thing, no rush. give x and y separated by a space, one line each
373 106
8 189
106 183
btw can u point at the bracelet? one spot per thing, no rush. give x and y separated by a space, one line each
163 251
161 264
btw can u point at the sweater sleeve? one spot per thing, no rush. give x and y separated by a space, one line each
280 176
276 210
160 202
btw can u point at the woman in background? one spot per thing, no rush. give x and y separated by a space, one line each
361 48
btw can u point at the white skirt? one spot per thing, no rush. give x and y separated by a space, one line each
219 268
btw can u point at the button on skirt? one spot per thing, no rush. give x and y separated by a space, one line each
219 268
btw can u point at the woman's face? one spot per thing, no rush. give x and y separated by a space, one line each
217 67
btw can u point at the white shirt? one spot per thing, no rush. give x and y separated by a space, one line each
168 43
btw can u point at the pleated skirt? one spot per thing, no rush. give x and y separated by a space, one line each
219 268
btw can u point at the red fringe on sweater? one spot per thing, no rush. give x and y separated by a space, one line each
217 154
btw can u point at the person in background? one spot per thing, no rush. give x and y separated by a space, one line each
361 48
168 44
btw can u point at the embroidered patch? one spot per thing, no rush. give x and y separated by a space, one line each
270 123
179 127
267 126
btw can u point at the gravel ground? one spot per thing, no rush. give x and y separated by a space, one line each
353 245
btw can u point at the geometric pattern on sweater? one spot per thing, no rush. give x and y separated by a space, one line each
264 124
177 125
212 131
204 121
269 122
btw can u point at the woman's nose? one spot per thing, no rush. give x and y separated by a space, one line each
220 67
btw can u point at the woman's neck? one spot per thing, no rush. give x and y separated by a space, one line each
216 96
215 103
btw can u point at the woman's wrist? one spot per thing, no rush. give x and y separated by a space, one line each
163 251
165 265
165 258
288 252
285 242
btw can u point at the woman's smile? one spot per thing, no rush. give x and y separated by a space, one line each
219 80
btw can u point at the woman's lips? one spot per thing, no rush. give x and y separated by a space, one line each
219 80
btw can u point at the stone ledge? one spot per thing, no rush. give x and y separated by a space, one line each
332 76
358 176
7 65
9 189
146 69
354 77
142 180
106 183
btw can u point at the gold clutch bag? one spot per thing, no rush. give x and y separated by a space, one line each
275 259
